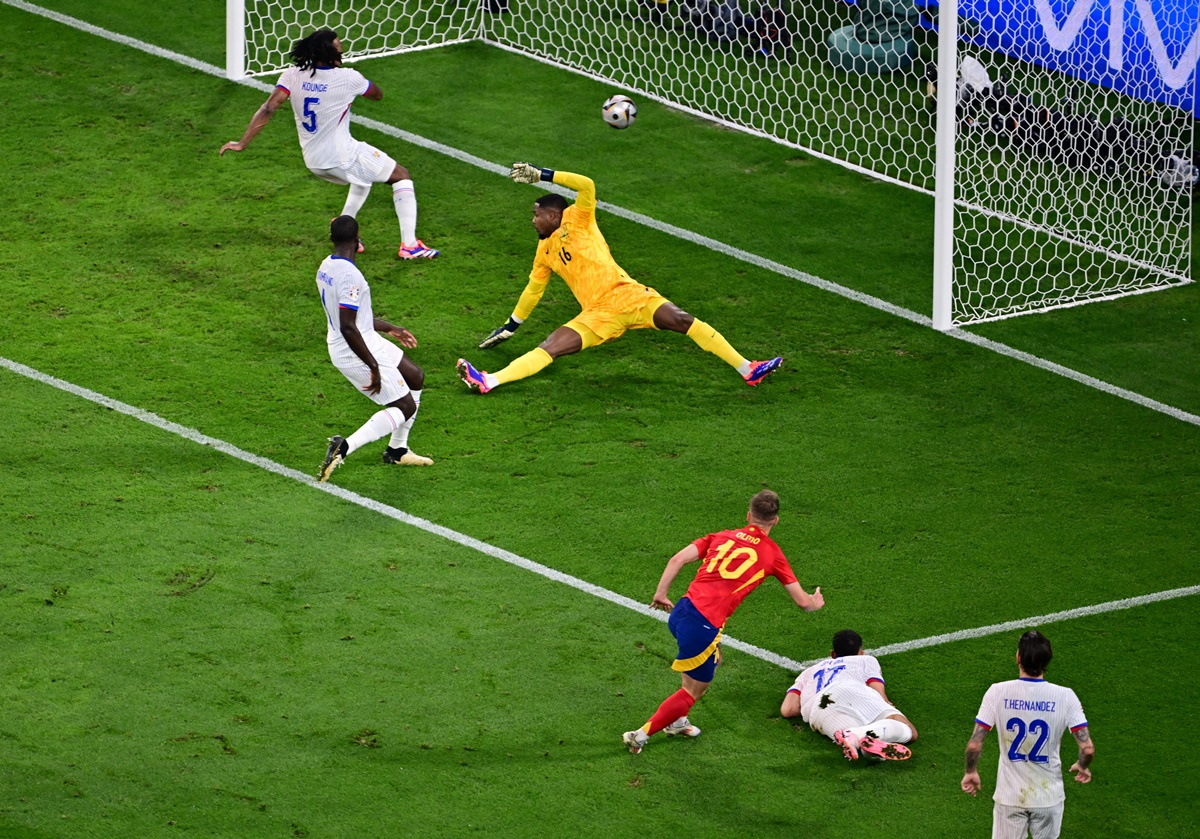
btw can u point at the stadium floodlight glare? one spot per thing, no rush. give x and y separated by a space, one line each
1062 164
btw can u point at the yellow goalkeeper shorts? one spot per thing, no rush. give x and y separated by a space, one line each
595 326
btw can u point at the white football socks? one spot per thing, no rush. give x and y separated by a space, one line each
381 423
890 731
400 435
355 199
405 200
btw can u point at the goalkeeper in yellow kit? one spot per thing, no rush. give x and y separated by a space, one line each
573 247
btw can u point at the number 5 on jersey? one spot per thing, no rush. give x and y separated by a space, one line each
310 116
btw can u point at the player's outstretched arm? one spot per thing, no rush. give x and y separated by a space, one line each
1087 750
689 554
402 335
970 781
259 121
807 602
585 187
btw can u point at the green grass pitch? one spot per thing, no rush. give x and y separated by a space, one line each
193 646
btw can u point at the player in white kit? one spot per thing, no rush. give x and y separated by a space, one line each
843 697
357 349
1030 716
322 91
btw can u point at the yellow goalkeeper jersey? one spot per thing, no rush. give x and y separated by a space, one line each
578 253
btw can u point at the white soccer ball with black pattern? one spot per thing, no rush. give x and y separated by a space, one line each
619 111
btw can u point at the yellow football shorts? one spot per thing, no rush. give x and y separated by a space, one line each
595 326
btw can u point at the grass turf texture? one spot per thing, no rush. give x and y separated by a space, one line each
969 488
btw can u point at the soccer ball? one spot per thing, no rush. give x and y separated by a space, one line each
619 111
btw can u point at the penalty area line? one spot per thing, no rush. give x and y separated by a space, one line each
544 570
646 221
373 505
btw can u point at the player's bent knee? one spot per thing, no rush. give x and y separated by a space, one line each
406 404
671 317
413 375
906 721
399 174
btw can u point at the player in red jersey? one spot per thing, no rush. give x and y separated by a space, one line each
734 563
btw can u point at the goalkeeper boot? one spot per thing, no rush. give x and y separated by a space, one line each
476 379
681 726
417 250
334 455
635 740
404 457
759 370
882 749
849 741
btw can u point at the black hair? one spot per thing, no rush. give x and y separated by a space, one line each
317 50
552 201
764 506
343 230
1034 651
846 642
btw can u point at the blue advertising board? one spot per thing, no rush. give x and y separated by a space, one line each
1146 49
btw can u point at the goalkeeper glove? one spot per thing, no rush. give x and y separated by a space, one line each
502 334
524 173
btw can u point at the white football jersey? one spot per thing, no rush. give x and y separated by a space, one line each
321 103
1030 716
342 286
860 669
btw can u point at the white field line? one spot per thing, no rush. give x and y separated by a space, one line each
704 241
1039 620
536 567
670 229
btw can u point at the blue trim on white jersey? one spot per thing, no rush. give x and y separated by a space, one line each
342 258
1029 679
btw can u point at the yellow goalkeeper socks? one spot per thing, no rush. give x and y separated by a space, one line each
526 365
713 341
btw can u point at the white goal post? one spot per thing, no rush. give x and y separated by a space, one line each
1055 137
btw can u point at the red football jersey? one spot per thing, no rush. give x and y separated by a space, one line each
733 563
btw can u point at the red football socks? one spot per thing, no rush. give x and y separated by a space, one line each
674 706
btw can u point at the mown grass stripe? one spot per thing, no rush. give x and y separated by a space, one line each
672 230
543 570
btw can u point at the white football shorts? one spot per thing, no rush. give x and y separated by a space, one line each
367 166
1021 822
848 704
388 356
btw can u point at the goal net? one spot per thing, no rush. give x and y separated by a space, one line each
1074 161
265 30
1073 149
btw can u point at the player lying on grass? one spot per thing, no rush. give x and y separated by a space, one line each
733 564
357 349
843 697
572 246
324 91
